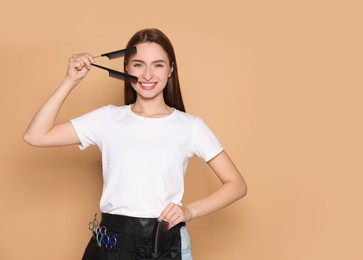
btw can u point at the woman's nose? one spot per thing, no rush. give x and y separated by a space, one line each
148 73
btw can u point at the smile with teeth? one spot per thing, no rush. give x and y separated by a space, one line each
147 86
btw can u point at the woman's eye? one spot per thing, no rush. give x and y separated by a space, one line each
136 65
159 65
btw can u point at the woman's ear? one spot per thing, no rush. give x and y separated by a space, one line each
171 69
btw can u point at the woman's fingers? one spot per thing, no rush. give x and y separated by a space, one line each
79 65
174 214
86 60
81 60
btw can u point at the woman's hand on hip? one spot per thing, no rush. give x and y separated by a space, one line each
174 214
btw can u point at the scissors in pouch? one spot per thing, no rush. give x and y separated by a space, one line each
114 73
100 234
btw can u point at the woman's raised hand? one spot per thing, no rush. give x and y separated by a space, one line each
78 66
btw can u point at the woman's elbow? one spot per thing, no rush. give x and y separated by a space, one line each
30 139
242 189
27 139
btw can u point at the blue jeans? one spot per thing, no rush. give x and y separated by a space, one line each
185 244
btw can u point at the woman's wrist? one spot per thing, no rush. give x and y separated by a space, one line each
190 213
69 83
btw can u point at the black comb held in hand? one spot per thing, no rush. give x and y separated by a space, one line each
117 74
114 73
117 54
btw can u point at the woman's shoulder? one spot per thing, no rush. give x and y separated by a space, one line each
187 117
106 112
110 108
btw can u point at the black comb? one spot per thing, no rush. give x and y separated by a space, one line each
117 54
117 74
114 73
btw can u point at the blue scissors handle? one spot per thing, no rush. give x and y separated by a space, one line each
112 241
105 239
100 233
108 240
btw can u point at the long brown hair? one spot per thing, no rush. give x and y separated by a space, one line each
172 93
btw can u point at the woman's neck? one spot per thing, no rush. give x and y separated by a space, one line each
151 108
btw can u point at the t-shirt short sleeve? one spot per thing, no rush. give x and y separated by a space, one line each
205 144
89 127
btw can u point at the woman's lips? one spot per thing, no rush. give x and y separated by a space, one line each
147 86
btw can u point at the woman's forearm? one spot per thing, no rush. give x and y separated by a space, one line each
228 193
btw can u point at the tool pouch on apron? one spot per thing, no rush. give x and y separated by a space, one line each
137 238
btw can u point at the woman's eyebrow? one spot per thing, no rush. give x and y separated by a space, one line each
155 61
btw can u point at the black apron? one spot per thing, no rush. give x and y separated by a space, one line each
136 238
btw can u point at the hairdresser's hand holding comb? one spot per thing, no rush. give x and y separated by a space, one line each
78 67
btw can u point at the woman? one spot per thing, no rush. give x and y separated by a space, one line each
145 148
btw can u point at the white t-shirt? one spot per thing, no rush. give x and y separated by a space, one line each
144 159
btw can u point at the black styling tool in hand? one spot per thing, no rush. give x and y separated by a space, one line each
113 55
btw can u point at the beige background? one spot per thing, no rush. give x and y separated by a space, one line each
279 82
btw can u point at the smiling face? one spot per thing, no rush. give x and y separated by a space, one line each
152 67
